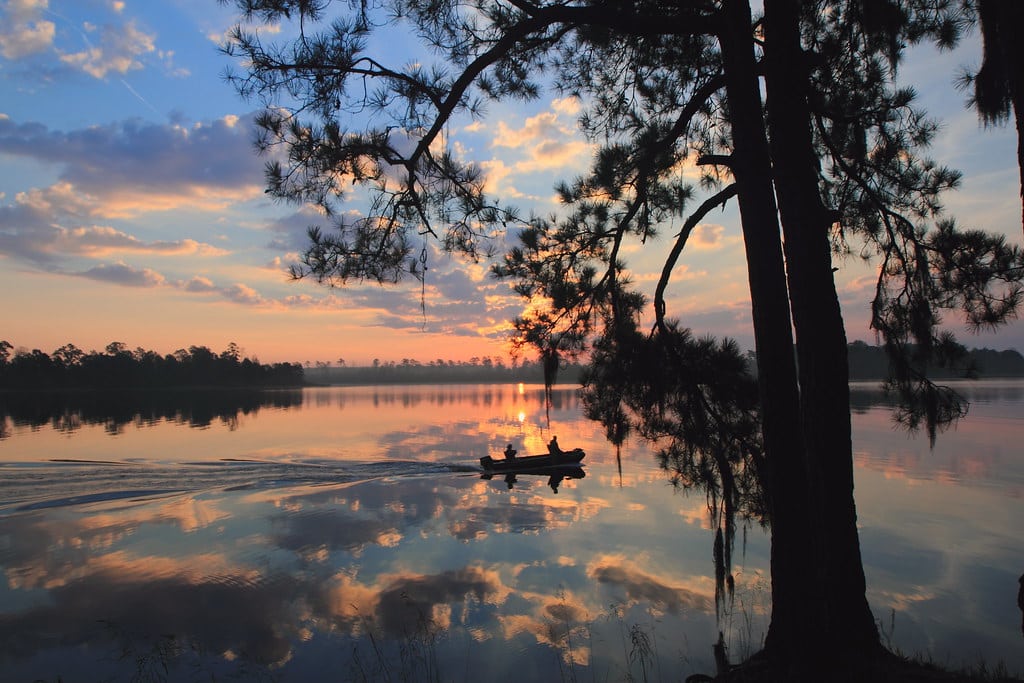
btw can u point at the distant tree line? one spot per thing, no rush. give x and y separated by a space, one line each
439 371
118 367
869 362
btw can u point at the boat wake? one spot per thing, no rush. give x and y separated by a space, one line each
63 483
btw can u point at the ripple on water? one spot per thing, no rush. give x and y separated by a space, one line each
65 482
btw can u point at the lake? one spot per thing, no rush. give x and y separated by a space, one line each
347 534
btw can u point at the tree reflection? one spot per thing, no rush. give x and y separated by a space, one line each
114 410
696 402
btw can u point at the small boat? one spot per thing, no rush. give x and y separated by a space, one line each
533 462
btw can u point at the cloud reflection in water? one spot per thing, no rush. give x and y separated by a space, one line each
314 533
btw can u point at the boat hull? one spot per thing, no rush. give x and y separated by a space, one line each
533 462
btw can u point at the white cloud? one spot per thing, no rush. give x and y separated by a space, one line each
567 105
555 154
26 32
167 57
543 126
496 172
118 52
545 142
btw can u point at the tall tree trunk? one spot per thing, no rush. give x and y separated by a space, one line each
794 603
820 335
1013 53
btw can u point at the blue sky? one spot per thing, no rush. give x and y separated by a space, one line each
132 205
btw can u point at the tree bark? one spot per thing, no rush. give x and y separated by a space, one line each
820 334
794 610
1014 55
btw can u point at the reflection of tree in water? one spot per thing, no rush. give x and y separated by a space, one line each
696 401
70 411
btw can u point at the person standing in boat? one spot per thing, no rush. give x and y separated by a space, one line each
553 447
510 453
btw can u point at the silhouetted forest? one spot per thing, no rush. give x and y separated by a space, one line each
869 362
117 367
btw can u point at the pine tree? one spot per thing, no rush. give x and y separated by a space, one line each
665 84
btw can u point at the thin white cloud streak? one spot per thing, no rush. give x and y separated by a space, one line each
139 97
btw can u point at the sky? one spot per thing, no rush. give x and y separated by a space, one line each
132 206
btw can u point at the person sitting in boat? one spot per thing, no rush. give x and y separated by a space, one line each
553 447
510 453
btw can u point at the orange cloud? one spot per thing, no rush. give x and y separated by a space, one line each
128 203
706 236
65 198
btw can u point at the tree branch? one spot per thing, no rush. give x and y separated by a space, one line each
666 272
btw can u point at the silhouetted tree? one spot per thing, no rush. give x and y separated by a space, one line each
664 84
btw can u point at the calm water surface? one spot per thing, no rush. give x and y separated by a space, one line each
347 534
